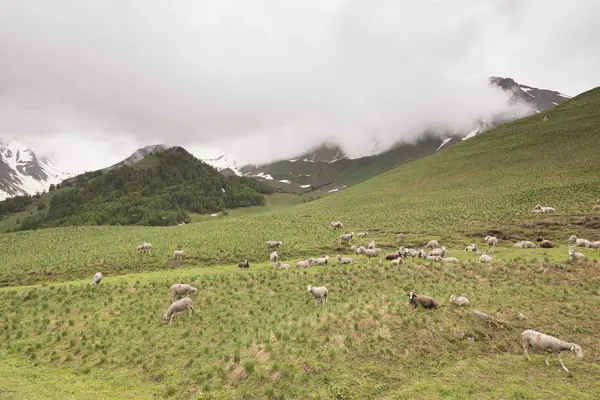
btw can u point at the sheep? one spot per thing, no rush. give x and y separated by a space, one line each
481 314
579 242
336 224
346 237
322 260
450 259
397 261
524 244
412 253
484 258
96 279
576 256
279 265
344 260
596 207
178 254
178 306
432 258
370 253
393 256
305 263
319 293
543 342
594 245
545 209
472 247
362 234
244 264
144 247
424 301
438 252
433 244
358 250
400 237
274 257
273 243
459 301
537 211
371 245
492 241
180 289
547 244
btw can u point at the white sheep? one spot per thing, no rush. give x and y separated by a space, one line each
305 263
319 293
537 211
524 244
362 234
322 260
358 250
546 343
178 254
273 243
180 289
545 209
279 265
346 237
576 256
345 260
178 306
594 245
371 245
412 253
433 244
432 258
397 261
450 259
400 237
492 242
274 257
472 247
438 252
144 247
336 224
370 253
96 279
579 242
459 301
484 258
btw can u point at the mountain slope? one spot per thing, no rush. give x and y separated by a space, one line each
23 172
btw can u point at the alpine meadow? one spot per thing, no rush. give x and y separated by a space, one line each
256 333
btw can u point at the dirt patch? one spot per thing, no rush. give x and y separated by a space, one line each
174 263
112 314
131 290
308 369
238 373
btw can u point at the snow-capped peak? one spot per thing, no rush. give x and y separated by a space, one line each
223 162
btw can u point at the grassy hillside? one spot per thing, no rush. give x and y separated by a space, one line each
257 334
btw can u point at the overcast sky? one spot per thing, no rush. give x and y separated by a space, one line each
93 81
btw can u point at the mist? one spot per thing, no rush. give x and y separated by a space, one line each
266 80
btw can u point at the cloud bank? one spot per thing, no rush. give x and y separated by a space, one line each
261 80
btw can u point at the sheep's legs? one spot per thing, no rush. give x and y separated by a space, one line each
172 316
547 358
191 311
561 362
526 351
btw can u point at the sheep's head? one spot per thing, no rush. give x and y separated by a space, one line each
411 297
572 238
538 207
453 298
480 252
577 349
309 288
165 318
194 291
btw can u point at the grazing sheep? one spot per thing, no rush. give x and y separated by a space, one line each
472 247
433 244
546 343
576 256
347 237
438 252
144 247
96 279
370 253
244 264
484 258
400 237
579 242
459 301
336 224
345 260
181 289
545 209
594 245
412 253
178 306
322 260
524 244
279 265
362 234
450 259
178 254
397 261
274 257
305 263
424 301
273 243
371 245
492 242
427 257
547 244
357 250
319 293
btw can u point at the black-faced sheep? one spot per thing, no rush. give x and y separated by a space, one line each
546 343
424 301
244 264
178 306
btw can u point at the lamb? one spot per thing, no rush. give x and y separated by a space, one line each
397 261
96 279
305 263
576 256
472 247
371 245
579 242
450 259
459 301
432 258
273 243
279 265
178 254
438 252
400 237
244 264
319 293
424 301
178 306
433 244
547 244
492 241
345 260
594 245
362 234
322 260
545 209
336 224
370 253
347 237
484 258
524 244
274 257
180 289
546 343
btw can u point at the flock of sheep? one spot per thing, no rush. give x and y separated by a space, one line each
432 251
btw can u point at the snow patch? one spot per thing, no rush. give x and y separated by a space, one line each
284 181
443 143
305 186
554 103
214 215
264 176
564 95
470 134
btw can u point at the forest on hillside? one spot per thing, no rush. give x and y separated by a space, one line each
159 190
